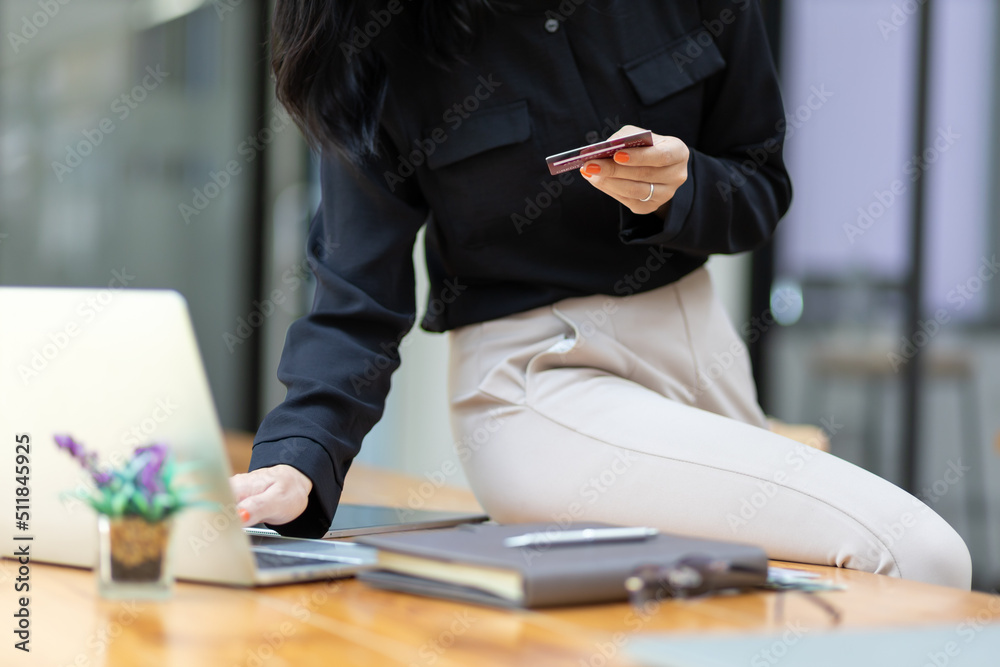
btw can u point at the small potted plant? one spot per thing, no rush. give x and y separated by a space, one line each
135 505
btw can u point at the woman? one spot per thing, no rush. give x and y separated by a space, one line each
593 373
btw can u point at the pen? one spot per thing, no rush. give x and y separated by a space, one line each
585 536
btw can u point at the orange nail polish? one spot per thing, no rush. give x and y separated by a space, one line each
621 157
592 169
244 515
585 174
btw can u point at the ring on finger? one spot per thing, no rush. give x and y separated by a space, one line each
650 195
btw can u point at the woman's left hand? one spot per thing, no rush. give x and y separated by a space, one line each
632 174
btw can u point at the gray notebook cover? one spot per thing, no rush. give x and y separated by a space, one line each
553 575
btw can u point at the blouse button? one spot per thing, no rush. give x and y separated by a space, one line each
552 25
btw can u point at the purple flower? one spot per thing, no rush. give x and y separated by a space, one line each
149 476
86 459
142 487
101 478
68 443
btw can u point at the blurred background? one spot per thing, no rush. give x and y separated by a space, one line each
140 143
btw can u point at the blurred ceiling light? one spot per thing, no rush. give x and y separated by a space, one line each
146 14
787 302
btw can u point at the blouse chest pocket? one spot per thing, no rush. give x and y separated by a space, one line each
668 82
480 172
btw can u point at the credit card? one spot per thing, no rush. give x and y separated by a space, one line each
576 158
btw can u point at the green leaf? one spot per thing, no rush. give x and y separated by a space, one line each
102 506
118 503
141 504
160 504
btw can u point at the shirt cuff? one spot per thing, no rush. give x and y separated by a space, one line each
311 459
651 229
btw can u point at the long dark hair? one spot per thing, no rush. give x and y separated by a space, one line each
334 90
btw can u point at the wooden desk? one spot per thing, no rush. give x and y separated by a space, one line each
346 623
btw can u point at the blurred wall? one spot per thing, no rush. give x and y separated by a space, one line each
117 123
849 75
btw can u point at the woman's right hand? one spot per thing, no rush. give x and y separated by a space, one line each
273 495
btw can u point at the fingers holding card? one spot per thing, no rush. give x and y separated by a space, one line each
576 158
639 169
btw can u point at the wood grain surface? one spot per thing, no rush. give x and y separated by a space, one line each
347 623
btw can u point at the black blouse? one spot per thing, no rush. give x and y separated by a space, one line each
464 152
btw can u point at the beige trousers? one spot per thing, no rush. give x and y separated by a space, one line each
640 410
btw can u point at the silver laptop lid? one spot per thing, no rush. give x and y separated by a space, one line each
115 369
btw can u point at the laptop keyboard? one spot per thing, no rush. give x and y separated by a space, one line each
268 560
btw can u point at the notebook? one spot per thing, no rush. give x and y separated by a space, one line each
115 369
472 563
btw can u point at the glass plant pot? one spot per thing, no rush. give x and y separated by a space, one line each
134 558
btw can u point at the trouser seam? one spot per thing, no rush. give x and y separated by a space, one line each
687 332
878 540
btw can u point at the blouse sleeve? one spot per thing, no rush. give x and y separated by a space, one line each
737 187
337 360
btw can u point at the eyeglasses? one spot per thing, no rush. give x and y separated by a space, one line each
702 576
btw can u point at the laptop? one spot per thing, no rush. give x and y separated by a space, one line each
117 369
